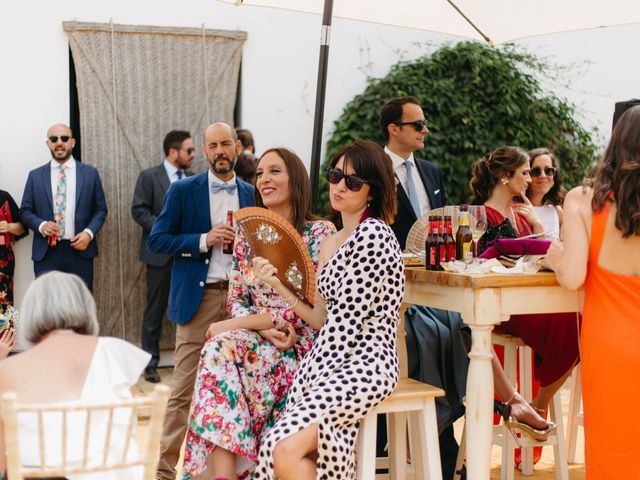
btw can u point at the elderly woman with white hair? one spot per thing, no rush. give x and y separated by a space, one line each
67 362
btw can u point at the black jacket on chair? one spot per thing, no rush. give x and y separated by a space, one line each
431 177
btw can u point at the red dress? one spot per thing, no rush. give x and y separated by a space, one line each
553 337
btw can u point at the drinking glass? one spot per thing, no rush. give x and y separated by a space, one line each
477 222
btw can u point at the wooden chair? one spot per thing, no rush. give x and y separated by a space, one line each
414 402
575 417
117 420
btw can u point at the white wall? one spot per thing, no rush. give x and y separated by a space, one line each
279 72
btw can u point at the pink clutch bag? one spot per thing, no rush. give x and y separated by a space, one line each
515 248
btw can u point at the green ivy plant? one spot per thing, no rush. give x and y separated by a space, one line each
476 98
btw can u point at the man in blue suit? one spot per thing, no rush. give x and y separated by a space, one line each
420 189
420 185
192 228
63 203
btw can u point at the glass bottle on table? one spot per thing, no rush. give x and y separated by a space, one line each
442 243
449 241
464 238
432 245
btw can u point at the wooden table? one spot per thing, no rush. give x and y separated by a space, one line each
484 301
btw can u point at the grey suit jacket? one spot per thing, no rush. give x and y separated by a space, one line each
148 196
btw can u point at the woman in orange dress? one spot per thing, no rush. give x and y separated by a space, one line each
601 249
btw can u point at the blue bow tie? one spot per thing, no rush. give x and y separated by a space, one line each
229 187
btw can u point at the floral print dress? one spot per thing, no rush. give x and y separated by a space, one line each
243 379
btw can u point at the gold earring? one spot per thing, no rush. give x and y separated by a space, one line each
505 181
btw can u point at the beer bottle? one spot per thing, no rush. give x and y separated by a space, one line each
464 239
430 245
440 240
449 241
228 247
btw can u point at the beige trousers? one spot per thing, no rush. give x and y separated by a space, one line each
190 339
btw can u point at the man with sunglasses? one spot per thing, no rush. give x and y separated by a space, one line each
420 186
151 186
64 204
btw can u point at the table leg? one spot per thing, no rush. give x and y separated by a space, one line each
479 403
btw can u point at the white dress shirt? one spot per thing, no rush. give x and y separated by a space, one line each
401 173
172 171
70 206
219 204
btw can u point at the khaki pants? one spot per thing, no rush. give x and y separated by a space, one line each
190 338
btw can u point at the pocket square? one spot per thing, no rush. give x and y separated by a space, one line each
436 192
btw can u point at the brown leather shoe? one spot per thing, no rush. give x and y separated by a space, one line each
151 375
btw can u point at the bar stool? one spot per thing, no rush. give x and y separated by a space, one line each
515 348
516 352
575 417
414 402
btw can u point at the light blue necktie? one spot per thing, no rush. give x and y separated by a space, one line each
411 189
228 187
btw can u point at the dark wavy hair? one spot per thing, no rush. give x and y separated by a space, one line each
619 174
487 171
370 162
555 196
299 188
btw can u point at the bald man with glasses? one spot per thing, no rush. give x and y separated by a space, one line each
64 204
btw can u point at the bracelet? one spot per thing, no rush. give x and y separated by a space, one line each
288 299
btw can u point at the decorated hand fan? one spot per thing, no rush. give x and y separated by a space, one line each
417 236
274 238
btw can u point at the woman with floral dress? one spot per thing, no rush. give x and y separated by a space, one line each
248 363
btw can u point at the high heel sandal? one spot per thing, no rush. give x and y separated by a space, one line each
514 425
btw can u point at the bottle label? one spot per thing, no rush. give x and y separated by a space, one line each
432 257
467 253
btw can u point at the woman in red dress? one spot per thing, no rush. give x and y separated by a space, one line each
500 181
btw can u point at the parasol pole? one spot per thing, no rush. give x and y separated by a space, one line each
316 146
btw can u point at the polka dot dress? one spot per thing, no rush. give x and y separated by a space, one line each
353 365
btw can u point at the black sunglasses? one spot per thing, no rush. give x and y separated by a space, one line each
353 182
548 171
189 150
54 138
418 124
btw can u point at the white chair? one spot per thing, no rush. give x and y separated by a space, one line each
515 348
414 402
575 417
105 418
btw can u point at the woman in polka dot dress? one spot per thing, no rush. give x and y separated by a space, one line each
353 365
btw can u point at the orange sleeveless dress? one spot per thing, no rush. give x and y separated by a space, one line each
610 364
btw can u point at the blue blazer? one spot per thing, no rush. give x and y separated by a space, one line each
185 216
37 206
